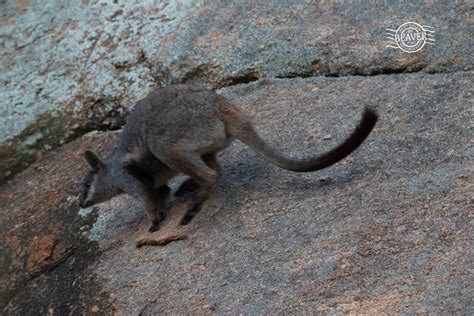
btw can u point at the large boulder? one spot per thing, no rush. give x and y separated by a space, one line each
69 68
387 230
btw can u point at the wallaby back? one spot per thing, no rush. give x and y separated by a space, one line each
240 127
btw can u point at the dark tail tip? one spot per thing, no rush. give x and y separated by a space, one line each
369 119
362 131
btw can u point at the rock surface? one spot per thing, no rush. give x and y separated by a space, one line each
388 230
69 68
46 252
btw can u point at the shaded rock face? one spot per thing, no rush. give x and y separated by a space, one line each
389 229
386 230
46 254
86 63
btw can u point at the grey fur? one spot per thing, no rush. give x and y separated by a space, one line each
180 129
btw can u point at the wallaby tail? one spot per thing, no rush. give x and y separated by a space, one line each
240 127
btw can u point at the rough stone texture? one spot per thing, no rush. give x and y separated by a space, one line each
46 255
388 230
84 63
80 63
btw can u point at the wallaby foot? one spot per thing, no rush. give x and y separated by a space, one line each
188 217
156 224
154 228
186 220
199 198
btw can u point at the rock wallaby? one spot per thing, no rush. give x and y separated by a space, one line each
180 129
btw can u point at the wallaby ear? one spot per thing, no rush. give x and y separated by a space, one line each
93 160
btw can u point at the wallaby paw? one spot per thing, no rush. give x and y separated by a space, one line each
154 228
186 220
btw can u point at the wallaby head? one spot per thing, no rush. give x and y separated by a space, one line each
97 186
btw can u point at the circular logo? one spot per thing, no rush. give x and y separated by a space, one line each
410 37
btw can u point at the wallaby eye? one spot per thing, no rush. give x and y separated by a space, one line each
87 184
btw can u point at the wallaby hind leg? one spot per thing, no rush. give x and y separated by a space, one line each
203 194
193 165
190 185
